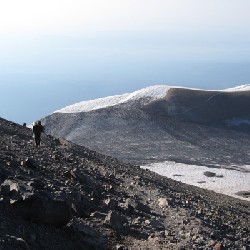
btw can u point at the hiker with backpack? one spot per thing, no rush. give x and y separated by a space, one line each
38 129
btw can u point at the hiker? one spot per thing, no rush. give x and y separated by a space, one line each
37 130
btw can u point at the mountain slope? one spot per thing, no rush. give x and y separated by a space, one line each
65 196
161 123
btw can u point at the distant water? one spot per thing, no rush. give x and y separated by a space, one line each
25 97
27 102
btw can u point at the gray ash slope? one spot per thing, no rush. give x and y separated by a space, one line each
65 196
189 126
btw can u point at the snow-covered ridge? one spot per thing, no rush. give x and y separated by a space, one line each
245 87
150 94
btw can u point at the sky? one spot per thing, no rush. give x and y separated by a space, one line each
54 53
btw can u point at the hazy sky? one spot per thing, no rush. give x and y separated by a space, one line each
57 52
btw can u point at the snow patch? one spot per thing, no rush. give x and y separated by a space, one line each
225 181
146 94
86 106
150 93
245 87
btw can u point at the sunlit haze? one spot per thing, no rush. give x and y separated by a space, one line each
58 52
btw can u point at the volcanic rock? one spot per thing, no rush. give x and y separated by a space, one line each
44 210
76 198
209 174
115 220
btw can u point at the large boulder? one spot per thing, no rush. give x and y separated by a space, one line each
83 178
209 174
44 210
143 207
90 238
16 190
162 202
7 186
115 220
29 163
81 210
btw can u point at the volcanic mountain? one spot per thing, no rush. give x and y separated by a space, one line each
63 196
161 123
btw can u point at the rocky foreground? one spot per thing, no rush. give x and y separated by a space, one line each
65 196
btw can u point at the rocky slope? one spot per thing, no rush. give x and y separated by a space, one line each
161 123
65 196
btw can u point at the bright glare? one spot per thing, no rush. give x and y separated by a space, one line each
120 15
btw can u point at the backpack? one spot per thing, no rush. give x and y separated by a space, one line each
37 129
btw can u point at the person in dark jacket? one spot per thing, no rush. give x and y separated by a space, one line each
37 129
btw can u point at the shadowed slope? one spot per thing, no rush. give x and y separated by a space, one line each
205 106
183 125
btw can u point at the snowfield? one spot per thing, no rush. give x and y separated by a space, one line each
245 87
226 181
148 94
151 93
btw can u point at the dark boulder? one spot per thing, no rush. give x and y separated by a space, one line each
115 220
89 238
143 208
209 174
29 163
44 210
83 211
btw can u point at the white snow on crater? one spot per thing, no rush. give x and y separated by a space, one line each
227 182
151 93
245 87
148 94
